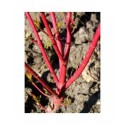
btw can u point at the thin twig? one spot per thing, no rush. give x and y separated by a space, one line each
40 80
56 32
37 102
40 90
68 37
66 52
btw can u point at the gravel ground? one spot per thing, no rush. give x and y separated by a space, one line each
83 96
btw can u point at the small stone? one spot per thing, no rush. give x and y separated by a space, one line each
36 49
75 35
88 24
26 57
37 60
78 41
27 91
86 77
98 103
91 34
43 37
82 30
93 18
80 13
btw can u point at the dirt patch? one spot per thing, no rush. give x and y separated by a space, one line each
83 96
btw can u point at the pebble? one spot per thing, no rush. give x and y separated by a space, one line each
93 18
86 77
37 60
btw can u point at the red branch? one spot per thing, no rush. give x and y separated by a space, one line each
68 37
59 45
66 52
51 37
40 80
58 42
62 68
37 102
40 90
41 47
86 59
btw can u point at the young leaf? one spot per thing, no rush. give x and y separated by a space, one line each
67 101
29 76
46 92
59 25
37 23
48 44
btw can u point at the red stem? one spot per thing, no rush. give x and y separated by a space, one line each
40 90
40 80
40 105
86 59
41 47
52 38
66 52
58 42
68 37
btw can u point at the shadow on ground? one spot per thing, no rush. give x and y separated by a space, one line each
92 101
